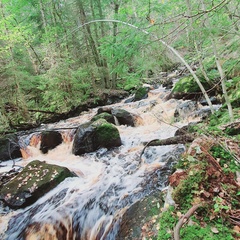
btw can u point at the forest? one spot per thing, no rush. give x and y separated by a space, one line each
57 54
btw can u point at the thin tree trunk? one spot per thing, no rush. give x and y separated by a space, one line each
115 28
105 72
174 51
43 16
220 69
192 41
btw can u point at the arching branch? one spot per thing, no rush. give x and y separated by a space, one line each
173 50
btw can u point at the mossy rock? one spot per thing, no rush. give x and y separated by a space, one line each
106 133
130 87
95 135
108 117
189 85
235 93
36 179
138 214
141 93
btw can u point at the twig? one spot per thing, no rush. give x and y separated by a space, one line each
183 219
146 146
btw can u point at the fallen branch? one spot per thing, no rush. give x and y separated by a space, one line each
186 138
183 219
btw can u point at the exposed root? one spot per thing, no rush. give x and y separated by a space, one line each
183 219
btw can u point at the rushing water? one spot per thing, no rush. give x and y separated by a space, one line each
90 206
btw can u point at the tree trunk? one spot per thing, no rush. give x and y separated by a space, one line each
44 21
174 51
115 28
192 41
93 46
220 70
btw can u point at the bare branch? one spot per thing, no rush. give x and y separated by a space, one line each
183 219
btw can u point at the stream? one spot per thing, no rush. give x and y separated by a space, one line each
91 205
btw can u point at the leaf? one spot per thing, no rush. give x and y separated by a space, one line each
214 230
198 150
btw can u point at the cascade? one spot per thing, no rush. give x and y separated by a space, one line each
90 206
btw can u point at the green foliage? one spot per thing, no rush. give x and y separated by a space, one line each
184 192
185 162
206 233
226 160
167 222
131 82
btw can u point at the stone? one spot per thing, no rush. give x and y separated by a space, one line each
9 147
124 117
36 179
185 110
141 93
49 140
104 109
141 219
95 135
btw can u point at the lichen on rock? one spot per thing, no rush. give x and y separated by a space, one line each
36 179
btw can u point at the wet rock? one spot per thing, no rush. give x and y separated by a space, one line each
188 84
9 148
185 110
7 176
36 179
202 113
186 129
141 219
104 109
232 129
95 135
213 99
141 93
49 140
104 115
126 118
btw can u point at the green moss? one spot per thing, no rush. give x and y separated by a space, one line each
205 233
106 132
104 115
188 85
167 222
140 93
227 161
214 230
183 194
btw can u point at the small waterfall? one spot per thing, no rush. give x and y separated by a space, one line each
116 121
90 206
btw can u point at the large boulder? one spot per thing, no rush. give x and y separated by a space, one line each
126 118
94 135
49 140
141 219
36 179
9 148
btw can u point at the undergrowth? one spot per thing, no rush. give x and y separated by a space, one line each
206 177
